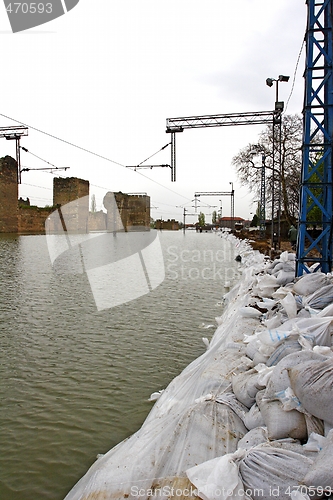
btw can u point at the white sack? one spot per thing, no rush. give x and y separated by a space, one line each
289 305
284 277
249 312
229 399
266 304
281 424
253 418
327 311
309 283
321 298
253 438
318 329
297 495
314 443
312 382
287 347
279 380
320 474
281 292
218 479
245 386
252 349
272 472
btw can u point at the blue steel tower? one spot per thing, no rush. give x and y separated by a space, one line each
316 182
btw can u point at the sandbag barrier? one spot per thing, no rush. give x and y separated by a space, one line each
250 418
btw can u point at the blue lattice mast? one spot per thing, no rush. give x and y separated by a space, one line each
316 182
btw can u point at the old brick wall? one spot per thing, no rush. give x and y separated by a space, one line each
134 212
97 221
31 220
169 225
8 195
73 196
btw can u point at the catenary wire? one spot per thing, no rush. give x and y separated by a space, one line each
294 76
92 153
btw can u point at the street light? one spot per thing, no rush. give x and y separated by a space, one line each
232 206
277 120
262 210
270 81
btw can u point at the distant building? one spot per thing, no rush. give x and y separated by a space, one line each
230 222
168 225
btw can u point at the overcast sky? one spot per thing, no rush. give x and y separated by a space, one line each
106 75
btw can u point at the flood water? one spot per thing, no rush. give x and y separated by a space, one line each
75 381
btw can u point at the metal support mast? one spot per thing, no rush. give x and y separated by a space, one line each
175 125
262 207
316 181
11 134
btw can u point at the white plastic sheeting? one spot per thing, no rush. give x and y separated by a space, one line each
205 437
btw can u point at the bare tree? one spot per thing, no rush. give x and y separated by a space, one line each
286 179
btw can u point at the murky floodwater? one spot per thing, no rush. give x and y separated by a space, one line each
75 381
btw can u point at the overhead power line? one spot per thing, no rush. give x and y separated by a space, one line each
92 152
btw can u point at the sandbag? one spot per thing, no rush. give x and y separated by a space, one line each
320 474
218 479
269 472
309 283
281 424
289 305
317 329
279 380
284 277
312 382
321 298
253 418
287 347
249 312
315 442
253 438
253 351
265 286
245 386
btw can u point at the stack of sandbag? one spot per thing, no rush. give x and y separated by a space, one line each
283 268
285 398
251 417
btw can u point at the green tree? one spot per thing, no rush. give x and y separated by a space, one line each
255 221
93 204
214 217
315 215
201 219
